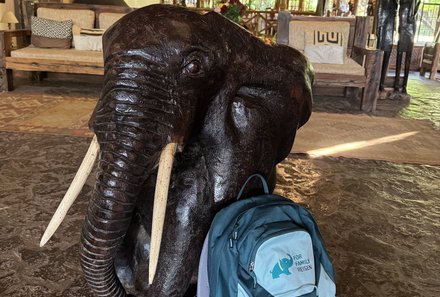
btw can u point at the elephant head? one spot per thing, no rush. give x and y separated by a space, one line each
286 263
231 105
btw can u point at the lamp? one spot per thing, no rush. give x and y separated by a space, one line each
9 17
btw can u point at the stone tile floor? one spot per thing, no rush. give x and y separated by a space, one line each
380 220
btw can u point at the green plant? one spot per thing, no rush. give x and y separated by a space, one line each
232 9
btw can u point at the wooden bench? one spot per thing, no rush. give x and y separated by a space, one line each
333 75
36 63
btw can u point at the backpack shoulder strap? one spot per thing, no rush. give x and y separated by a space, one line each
263 182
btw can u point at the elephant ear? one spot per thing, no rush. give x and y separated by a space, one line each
280 76
303 90
297 80
301 97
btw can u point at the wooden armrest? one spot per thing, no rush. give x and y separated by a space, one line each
365 56
6 39
371 59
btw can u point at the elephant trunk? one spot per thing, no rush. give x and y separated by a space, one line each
131 132
290 261
108 218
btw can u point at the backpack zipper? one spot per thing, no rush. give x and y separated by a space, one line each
234 236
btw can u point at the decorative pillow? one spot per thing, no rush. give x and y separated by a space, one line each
327 38
51 34
324 54
93 32
299 31
88 42
324 47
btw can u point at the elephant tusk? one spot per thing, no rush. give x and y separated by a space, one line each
74 189
160 203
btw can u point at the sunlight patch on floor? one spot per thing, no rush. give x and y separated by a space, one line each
358 144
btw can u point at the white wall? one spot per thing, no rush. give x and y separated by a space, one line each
8 6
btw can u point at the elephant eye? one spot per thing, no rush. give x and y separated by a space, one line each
193 67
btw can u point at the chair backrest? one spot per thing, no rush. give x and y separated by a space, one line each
358 32
110 13
83 18
304 32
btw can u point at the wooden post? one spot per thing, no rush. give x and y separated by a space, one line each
320 8
22 37
6 74
24 9
284 18
3 79
283 5
301 5
371 91
355 6
364 26
435 61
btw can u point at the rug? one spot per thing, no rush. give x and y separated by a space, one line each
379 220
45 114
326 134
369 137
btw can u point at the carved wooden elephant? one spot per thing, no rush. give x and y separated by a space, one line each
229 103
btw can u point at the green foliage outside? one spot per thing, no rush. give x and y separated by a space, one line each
428 18
260 4
309 5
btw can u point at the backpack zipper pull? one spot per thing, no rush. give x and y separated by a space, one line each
251 266
233 237
251 270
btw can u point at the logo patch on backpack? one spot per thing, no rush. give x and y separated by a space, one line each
282 267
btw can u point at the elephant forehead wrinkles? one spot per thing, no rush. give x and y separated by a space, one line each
145 55
181 30
136 59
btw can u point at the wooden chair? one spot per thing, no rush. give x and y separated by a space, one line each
361 66
431 57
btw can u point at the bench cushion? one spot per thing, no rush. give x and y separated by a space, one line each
325 54
83 18
349 67
59 54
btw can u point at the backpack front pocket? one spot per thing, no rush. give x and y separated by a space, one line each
283 263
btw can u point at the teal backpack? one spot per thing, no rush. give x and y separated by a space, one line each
264 246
